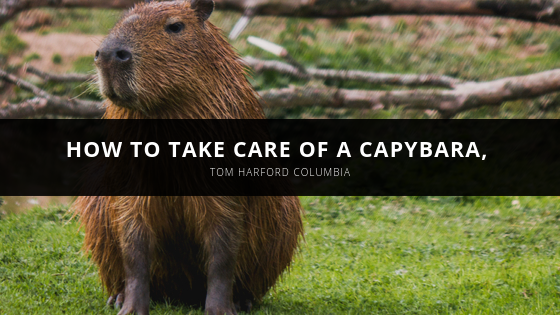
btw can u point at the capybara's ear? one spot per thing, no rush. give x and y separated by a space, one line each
203 8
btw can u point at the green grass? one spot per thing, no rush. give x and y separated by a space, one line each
446 255
57 59
31 57
11 44
84 65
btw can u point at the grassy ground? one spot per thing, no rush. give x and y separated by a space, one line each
447 255
467 48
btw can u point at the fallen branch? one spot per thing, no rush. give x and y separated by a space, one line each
464 96
294 68
543 11
259 65
546 11
45 103
60 78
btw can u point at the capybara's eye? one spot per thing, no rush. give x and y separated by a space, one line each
175 27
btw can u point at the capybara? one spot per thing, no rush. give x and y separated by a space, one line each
164 60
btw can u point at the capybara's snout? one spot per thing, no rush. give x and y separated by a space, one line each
113 54
114 61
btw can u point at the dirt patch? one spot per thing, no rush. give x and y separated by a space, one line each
22 204
70 47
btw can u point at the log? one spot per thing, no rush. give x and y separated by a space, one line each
46 104
546 11
464 97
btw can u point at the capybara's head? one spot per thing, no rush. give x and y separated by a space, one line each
164 55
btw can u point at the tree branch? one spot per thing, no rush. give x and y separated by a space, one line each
546 11
259 65
465 96
60 78
46 104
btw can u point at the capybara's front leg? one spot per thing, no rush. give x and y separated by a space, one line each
137 273
223 249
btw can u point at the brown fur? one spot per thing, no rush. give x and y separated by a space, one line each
197 76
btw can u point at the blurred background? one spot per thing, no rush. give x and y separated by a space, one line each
463 48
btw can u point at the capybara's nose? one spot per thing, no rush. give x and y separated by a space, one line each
118 55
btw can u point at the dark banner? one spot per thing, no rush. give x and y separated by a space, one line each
279 157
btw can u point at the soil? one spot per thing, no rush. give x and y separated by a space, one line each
69 46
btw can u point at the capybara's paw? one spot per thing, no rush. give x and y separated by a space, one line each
244 305
220 310
134 308
116 301
127 307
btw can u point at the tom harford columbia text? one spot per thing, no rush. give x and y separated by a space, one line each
281 171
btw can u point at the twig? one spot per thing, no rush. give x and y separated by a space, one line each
61 78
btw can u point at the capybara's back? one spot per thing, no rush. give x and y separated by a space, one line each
164 60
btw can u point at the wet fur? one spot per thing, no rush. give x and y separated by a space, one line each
200 78
180 228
